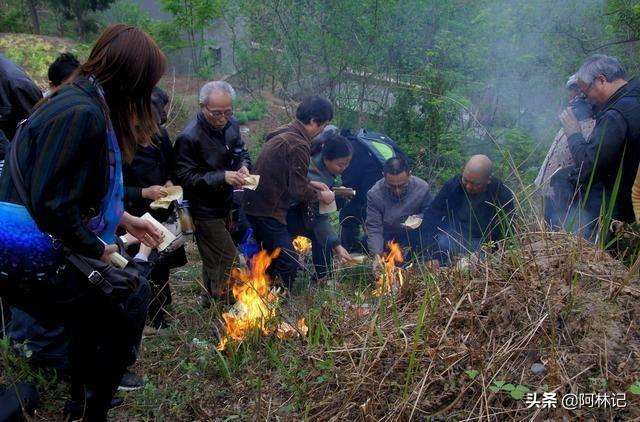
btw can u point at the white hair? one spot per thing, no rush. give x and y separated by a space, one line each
599 64
219 86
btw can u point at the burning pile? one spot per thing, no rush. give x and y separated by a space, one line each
302 245
543 317
255 303
391 278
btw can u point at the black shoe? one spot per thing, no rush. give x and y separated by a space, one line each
130 382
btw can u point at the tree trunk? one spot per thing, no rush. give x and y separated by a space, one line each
35 21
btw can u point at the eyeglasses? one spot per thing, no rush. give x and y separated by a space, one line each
216 114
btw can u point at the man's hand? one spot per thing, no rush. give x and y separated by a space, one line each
569 122
154 192
234 178
142 230
244 171
326 197
319 186
342 255
108 250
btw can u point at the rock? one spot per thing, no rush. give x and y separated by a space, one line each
538 368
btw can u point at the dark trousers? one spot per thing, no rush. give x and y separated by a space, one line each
321 252
218 253
160 294
102 335
352 218
272 234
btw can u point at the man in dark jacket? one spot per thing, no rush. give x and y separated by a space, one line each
471 208
18 95
613 148
211 159
283 165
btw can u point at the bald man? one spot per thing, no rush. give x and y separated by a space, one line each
471 208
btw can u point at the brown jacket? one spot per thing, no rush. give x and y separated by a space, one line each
282 165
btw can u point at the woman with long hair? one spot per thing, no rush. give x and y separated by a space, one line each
70 153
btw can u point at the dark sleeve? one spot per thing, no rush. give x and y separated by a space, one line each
187 169
4 145
374 225
133 196
426 201
168 156
299 187
605 145
245 159
25 95
74 143
436 212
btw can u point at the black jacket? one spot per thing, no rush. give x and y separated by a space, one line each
613 145
202 155
482 216
18 95
151 165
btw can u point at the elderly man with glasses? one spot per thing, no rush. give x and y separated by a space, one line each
212 160
612 151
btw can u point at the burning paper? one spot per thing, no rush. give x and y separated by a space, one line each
168 236
255 301
302 245
286 330
392 277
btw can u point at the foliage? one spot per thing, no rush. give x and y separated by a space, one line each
194 17
166 34
35 54
81 12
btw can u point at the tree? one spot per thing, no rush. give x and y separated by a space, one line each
80 11
195 17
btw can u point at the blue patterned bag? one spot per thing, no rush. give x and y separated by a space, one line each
25 252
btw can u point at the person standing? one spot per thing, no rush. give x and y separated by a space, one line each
612 151
212 160
283 165
70 153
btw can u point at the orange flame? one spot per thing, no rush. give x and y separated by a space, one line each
286 330
302 244
255 302
392 278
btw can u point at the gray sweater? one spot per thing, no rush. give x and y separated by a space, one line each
386 213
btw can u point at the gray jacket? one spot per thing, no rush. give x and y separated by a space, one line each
386 213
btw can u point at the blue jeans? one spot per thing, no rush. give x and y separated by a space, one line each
272 234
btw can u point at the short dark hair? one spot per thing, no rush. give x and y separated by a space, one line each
63 66
314 108
395 165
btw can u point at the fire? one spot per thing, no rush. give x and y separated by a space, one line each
255 302
302 244
392 277
286 330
